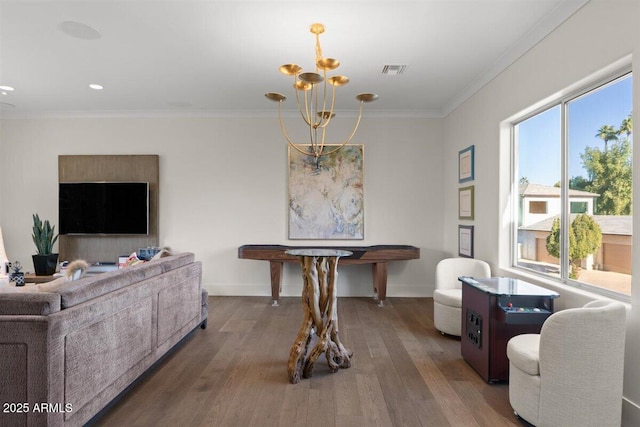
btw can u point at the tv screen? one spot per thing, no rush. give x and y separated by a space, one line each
103 208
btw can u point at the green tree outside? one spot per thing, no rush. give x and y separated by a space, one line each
609 171
585 238
610 174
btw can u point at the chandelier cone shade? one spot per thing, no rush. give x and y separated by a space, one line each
316 100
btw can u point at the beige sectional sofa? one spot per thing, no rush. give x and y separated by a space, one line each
66 353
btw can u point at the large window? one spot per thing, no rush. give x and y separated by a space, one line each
575 158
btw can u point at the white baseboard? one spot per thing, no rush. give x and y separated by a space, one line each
262 289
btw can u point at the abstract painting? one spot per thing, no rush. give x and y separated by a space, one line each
326 198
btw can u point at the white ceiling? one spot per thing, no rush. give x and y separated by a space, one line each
205 57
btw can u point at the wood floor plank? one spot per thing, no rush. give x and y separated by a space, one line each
234 373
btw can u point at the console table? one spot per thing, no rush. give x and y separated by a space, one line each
378 256
320 303
32 278
493 311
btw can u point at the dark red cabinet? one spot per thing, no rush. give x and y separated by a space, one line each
493 311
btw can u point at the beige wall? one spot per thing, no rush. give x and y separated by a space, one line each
579 49
223 183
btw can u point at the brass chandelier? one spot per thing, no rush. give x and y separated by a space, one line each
312 87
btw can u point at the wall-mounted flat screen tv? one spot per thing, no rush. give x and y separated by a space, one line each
103 207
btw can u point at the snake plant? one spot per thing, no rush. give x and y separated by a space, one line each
43 235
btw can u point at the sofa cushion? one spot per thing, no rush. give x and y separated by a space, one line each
29 303
524 352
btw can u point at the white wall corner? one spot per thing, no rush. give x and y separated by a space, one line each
630 413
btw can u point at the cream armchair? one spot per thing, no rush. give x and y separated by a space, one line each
447 297
571 373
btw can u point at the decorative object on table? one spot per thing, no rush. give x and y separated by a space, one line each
465 241
466 168
466 202
312 88
44 237
327 202
17 275
320 301
133 260
147 253
164 252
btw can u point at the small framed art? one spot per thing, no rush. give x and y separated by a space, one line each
465 164
465 241
466 202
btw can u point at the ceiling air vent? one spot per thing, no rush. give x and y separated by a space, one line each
394 69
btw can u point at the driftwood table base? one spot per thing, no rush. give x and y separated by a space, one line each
320 304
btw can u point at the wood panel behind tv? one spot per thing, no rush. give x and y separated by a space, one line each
114 168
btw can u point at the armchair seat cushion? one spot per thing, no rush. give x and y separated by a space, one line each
448 297
523 352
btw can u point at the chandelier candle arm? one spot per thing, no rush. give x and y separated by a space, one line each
284 131
314 112
353 132
326 116
301 86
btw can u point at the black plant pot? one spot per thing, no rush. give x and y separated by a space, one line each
45 265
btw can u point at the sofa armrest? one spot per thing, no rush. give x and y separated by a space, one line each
36 303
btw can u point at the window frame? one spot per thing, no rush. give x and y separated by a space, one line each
563 102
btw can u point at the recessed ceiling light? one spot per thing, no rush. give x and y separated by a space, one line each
96 86
7 88
78 30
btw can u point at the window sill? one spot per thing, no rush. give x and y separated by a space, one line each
576 297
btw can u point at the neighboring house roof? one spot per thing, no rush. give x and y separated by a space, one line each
537 190
609 224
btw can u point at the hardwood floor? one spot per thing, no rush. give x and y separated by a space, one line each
234 373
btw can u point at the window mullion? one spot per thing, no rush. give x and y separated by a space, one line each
565 213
